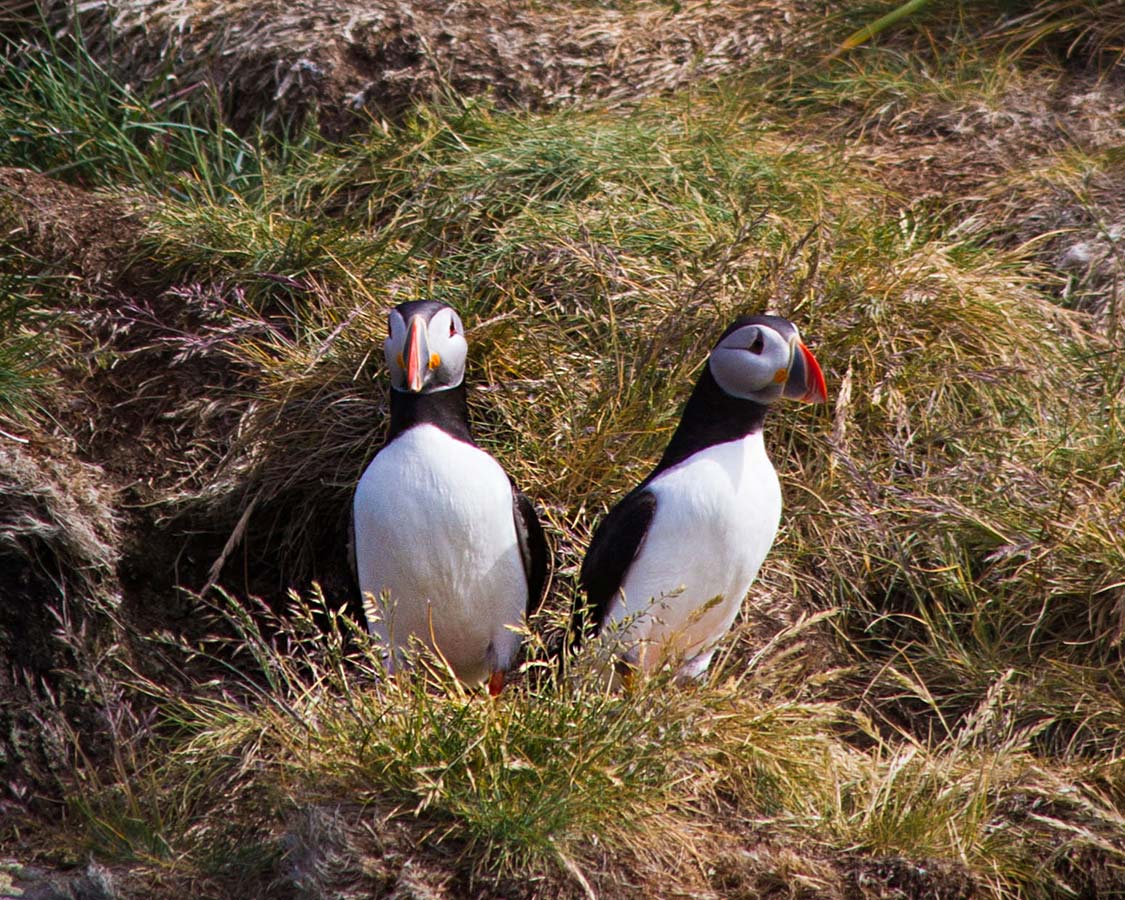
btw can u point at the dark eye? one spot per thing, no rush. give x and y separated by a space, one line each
758 345
452 328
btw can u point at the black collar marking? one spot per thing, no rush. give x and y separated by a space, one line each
446 409
711 416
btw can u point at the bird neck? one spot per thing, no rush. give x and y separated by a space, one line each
447 409
711 416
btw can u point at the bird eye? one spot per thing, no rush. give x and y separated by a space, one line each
758 345
452 328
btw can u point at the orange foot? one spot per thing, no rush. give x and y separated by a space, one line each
495 683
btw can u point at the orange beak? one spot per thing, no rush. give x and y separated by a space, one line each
806 381
417 355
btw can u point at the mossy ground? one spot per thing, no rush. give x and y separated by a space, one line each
922 697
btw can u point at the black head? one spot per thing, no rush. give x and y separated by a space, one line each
762 358
425 347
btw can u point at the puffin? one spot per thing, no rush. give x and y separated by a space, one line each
447 550
669 566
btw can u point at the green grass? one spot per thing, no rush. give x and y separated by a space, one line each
64 114
539 780
25 352
925 673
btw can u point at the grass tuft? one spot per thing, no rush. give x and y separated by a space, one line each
24 352
537 781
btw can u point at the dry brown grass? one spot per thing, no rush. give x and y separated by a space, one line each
921 698
350 60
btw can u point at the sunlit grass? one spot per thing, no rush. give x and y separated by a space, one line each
952 517
65 115
542 778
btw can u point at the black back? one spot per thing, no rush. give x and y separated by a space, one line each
616 542
711 416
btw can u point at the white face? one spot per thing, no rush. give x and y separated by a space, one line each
425 355
754 362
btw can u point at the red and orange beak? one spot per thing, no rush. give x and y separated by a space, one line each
417 355
806 381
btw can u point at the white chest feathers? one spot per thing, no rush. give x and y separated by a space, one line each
717 515
435 536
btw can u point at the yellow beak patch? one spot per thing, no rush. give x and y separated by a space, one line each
781 376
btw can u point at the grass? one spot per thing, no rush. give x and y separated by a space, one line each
19 352
537 782
921 695
1090 32
65 115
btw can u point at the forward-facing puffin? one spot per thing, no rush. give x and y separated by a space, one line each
671 563
447 551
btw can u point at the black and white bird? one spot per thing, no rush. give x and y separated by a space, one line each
670 564
447 550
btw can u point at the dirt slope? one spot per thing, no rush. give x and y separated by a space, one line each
355 59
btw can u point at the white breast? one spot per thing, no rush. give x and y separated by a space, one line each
716 517
434 530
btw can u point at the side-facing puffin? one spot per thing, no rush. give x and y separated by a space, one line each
671 563
447 550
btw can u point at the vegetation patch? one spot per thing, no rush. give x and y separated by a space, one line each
921 696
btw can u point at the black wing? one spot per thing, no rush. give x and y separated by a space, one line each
533 548
615 544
